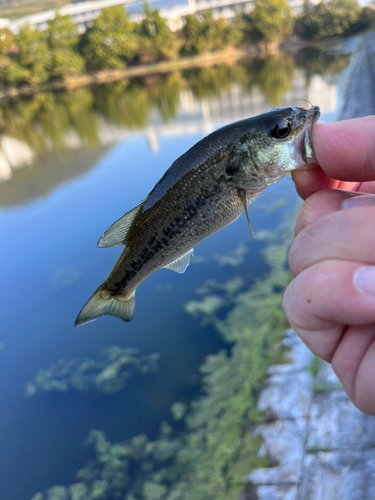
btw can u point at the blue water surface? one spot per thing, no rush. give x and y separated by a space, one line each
50 266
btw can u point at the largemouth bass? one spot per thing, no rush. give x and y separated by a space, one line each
203 191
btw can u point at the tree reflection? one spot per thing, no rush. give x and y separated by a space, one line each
44 120
78 118
274 77
317 61
123 103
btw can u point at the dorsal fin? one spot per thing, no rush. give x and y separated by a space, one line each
117 233
179 265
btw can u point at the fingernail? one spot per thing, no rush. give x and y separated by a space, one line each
362 200
364 279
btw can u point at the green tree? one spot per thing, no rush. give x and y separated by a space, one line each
328 18
112 41
156 39
208 34
193 34
33 55
6 41
272 19
10 71
62 35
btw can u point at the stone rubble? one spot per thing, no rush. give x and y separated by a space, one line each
321 446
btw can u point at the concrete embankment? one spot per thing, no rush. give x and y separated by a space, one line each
321 446
359 95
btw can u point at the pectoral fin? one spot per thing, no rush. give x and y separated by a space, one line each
117 233
242 196
179 265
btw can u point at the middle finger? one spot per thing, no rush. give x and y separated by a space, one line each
344 234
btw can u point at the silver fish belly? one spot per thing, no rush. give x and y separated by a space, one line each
203 191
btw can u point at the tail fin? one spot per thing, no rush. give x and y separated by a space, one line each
102 303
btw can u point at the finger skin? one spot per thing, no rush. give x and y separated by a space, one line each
345 150
318 205
353 363
325 295
337 323
343 234
345 153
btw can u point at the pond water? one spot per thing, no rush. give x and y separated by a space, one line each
70 165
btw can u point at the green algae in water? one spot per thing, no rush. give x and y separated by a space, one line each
107 375
216 448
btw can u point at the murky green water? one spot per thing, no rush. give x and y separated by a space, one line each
71 163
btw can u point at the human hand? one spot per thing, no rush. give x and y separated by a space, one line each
331 301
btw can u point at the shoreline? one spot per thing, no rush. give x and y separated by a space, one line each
207 59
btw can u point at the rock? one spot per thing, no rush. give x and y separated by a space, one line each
284 445
326 377
341 475
287 396
336 423
271 492
300 356
78 491
358 101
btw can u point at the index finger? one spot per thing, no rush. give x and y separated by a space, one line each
345 152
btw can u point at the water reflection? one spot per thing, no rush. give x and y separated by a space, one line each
160 105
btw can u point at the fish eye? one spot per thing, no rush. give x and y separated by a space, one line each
281 130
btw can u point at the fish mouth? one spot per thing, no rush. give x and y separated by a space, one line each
308 154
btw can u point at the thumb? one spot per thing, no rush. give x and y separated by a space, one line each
346 150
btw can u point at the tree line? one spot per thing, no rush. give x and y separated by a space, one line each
114 41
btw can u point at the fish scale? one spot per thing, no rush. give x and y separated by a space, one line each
203 191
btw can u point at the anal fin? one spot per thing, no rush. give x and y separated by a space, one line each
179 265
242 196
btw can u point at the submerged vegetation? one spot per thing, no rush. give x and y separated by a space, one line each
205 457
107 375
114 41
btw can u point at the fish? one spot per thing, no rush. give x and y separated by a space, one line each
202 192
